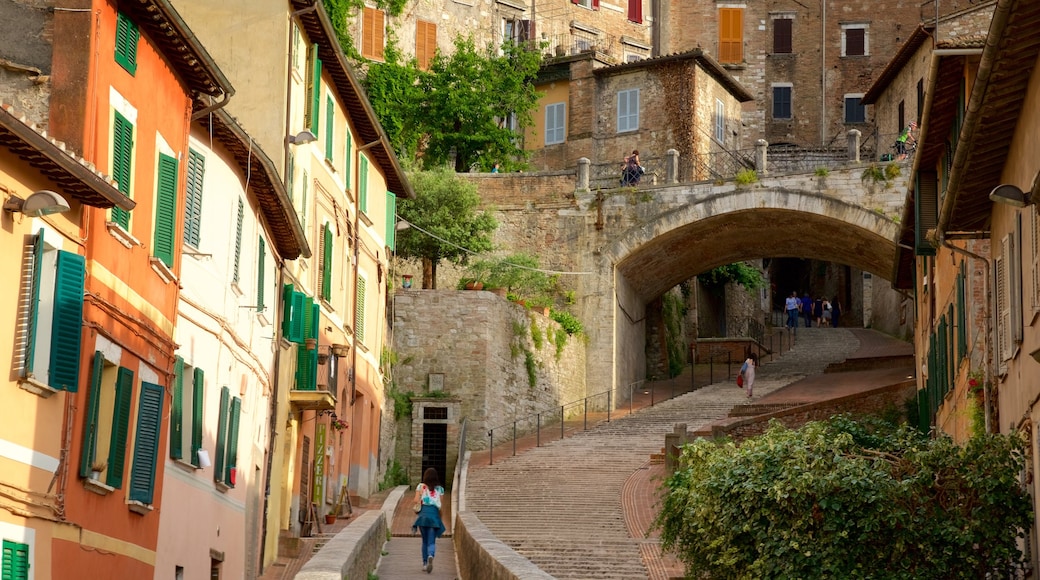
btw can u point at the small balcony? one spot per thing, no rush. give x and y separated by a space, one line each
321 396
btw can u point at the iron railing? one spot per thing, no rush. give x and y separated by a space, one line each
717 165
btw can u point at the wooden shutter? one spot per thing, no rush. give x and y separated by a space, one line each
782 35
120 428
127 37
372 34
927 211
359 311
261 266
330 120
391 221
197 394
635 11
15 561
193 198
232 444
122 154
90 420
425 43
962 317
177 410
1035 237
1003 308
240 218
146 443
731 35
166 209
67 327
363 187
222 424
855 42
33 307
326 263
1014 265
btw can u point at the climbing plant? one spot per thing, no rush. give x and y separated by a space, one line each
739 272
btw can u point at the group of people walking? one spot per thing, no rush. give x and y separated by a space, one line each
824 312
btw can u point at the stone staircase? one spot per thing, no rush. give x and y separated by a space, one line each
560 505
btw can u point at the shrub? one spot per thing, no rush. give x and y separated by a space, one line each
568 321
822 172
747 177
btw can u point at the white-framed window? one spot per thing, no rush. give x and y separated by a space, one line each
628 110
720 121
855 110
855 39
555 123
782 109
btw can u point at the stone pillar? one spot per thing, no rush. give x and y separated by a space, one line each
854 137
671 166
584 167
672 443
761 160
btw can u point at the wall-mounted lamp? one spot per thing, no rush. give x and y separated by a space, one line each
40 203
402 225
302 138
1011 195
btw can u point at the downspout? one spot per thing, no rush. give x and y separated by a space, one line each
272 437
990 371
213 107
823 76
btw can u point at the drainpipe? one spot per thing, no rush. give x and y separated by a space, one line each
990 370
279 309
823 76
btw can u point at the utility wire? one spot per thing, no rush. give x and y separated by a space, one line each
472 253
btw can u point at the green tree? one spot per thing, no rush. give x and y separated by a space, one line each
447 222
456 112
739 272
847 499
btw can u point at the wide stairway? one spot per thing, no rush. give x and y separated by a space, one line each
560 505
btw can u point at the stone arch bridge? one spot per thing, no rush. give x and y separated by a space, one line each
626 247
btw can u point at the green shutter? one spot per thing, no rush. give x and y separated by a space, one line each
90 420
198 391
316 92
348 156
261 266
287 304
289 184
962 317
363 186
315 321
177 410
122 154
359 311
305 370
303 200
222 417
330 117
326 263
238 239
127 37
927 211
391 221
300 312
232 444
166 209
120 427
146 443
15 561
193 198
34 304
66 331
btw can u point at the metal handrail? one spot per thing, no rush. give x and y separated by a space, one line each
562 409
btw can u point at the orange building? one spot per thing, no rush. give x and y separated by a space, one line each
126 80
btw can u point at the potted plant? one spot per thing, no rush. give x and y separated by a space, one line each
310 343
330 519
96 468
339 424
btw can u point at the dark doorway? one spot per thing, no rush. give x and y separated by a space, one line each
435 449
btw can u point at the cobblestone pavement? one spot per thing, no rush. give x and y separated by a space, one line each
561 505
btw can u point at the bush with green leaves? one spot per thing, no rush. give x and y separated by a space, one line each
569 322
520 274
848 499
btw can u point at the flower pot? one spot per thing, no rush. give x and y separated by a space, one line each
95 475
330 519
310 343
474 286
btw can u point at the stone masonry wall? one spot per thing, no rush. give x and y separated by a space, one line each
480 343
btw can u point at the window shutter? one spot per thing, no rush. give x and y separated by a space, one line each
1035 237
378 35
127 37
927 210
146 443
595 4
359 311
782 36
731 35
66 331
367 36
222 424
855 42
198 392
363 187
300 309
326 263
348 163
261 266
90 420
33 308
635 11
193 198
1014 266
305 374
166 209
962 317
312 333
238 240
177 410
232 444
15 561
312 105
330 119
122 154
287 311
1003 309
391 221
120 427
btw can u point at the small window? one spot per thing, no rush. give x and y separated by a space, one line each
782 102
855 111
731 35
720 121
435 412
854 40
122 157
635 11
193 198
165 209
127 37
225 464
555 123
782 35
628 110
373 33
594 4
186 414
16 561
425 43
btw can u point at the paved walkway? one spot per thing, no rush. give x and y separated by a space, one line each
580 507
